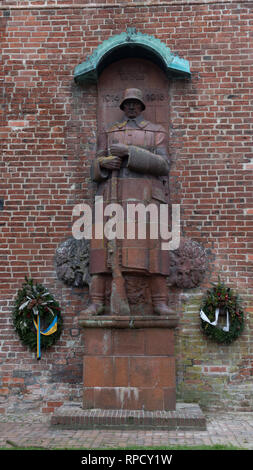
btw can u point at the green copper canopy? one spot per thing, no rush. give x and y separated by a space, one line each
131 44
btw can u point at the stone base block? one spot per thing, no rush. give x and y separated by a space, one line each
129 398
184 417
129 369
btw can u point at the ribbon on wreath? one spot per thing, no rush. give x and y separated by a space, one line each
52 328
214 323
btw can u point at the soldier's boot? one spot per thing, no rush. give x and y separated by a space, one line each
94 308
160 296
96 304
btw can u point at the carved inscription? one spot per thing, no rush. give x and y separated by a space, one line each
128 74
154 97
150 96
111 99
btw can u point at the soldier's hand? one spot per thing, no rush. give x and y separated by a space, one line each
119 150
111 162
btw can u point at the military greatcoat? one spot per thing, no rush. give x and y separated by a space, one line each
142 178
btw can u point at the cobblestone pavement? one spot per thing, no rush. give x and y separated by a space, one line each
34 429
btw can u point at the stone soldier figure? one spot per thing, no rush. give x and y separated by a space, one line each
136 149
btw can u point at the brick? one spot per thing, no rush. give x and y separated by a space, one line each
121 371
106 398
159 342
217 369
128 342
152 399
151 371
98 371
169 397
98 341
54 404
88 398
47 409
18 124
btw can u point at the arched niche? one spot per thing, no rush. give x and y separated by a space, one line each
132 73
131 44
132 59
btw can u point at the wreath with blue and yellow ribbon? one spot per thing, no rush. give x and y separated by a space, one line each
37 316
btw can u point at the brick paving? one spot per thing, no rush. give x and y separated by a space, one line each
34 429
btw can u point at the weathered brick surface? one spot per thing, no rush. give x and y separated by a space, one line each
48 133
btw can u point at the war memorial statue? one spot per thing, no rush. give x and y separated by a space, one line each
131 165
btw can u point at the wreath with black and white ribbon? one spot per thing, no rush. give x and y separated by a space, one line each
37 316
221 303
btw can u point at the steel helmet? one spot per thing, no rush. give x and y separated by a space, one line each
132 94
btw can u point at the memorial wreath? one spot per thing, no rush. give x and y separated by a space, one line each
37 316
221 301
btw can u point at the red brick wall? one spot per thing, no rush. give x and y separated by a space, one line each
48 131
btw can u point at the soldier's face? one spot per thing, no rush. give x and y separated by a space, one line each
132 108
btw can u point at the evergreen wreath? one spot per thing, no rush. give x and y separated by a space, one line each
33 301
221 300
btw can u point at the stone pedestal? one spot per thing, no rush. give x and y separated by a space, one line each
129 378
129 363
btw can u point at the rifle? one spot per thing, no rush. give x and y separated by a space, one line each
118 301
